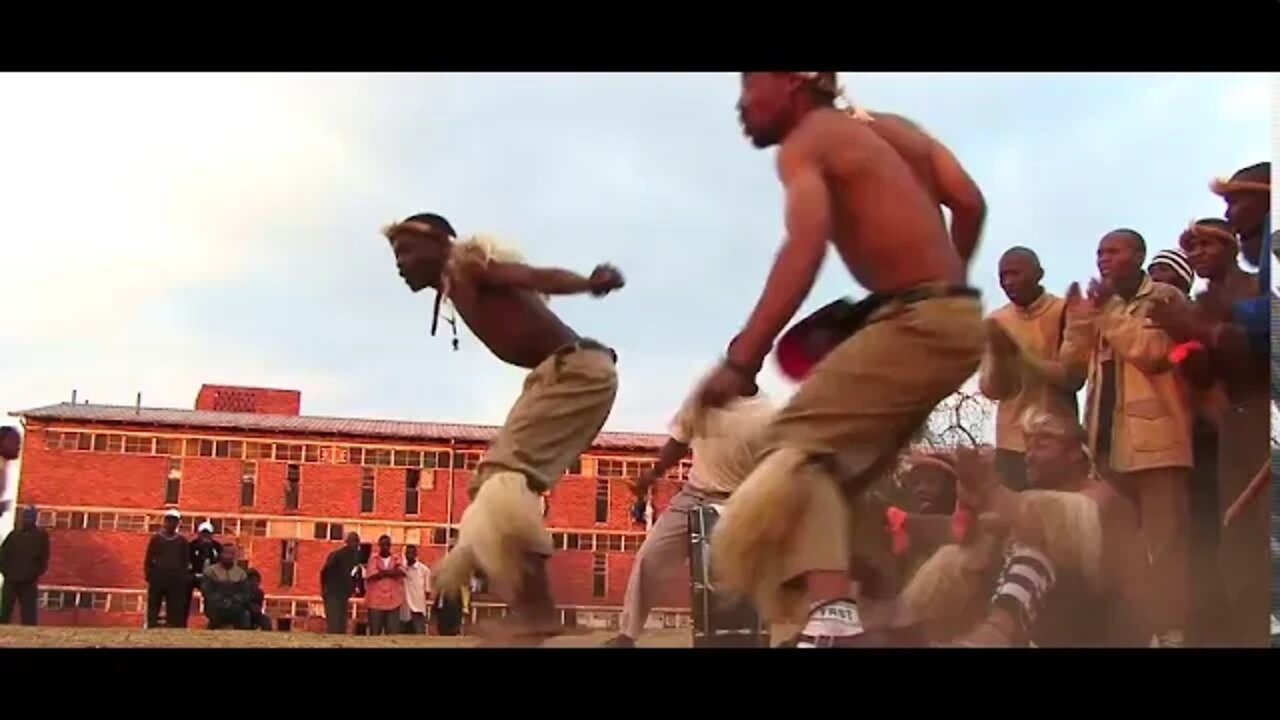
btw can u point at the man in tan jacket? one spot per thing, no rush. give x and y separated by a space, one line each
1032 324
1137 411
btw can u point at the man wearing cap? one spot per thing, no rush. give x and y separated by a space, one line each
24 557
1172 268
1031 324
725 442
204 552
167 568
1233 329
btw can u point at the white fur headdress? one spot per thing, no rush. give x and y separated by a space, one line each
828 83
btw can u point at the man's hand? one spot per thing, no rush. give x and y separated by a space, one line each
605 279
975 478
641 484
725 383
1100 291
1179 320
1002 345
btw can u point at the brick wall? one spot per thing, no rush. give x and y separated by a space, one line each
230 398
328 492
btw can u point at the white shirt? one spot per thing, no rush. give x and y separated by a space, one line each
417 585
725 441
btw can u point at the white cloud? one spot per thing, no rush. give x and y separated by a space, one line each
121 188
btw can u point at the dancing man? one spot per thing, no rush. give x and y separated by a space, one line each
725 443
566 399
872 184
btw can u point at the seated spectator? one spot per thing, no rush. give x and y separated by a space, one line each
258 619
226 591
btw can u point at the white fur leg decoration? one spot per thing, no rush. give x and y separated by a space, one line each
948 587
498 529
1066 526
751 534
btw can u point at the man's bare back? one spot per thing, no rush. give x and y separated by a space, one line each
886 221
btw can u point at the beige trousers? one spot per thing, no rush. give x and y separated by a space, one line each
802 509
565 403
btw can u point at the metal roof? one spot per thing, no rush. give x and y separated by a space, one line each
305 425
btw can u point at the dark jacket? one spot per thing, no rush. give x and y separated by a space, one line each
202 554
336 576
226 592
24 555
168 559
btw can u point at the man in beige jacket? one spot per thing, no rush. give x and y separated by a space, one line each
1032 323
1137 411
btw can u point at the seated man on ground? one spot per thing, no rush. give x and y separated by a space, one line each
226 591
1068 561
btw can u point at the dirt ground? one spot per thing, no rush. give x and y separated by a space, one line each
83 637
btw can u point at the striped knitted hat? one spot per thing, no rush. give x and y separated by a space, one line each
1178 261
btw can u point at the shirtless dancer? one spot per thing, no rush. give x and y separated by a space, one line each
566 399
873 185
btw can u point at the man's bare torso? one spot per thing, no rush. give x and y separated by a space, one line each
887 223
516 325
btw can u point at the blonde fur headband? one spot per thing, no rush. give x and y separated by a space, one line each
831 86
1227 186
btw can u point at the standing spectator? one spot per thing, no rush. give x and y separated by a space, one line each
167 568
1171 267
258 619
1138 414
417 592
337 583
384 580
1028 329
24 557
10 449
204 552
226 591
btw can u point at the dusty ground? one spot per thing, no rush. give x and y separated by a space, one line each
18 637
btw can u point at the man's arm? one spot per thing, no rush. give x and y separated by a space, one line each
1137 340
961 195
548 281
808 220
149 560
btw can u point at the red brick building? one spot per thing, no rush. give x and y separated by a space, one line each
286 488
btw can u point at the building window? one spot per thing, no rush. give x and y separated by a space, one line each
288 561
257 451
439 536
328 531
408 458
248 483
576 467
311 453
173 482
631 543
135 445
292 480
130 603
288 453
602 500
610 543
355 455
608 467
366 490
599 575
253 528
168 446
378 456
571 541
412 476
113 444
86 441
228 449
435 459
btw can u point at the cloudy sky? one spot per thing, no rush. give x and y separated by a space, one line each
161 231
